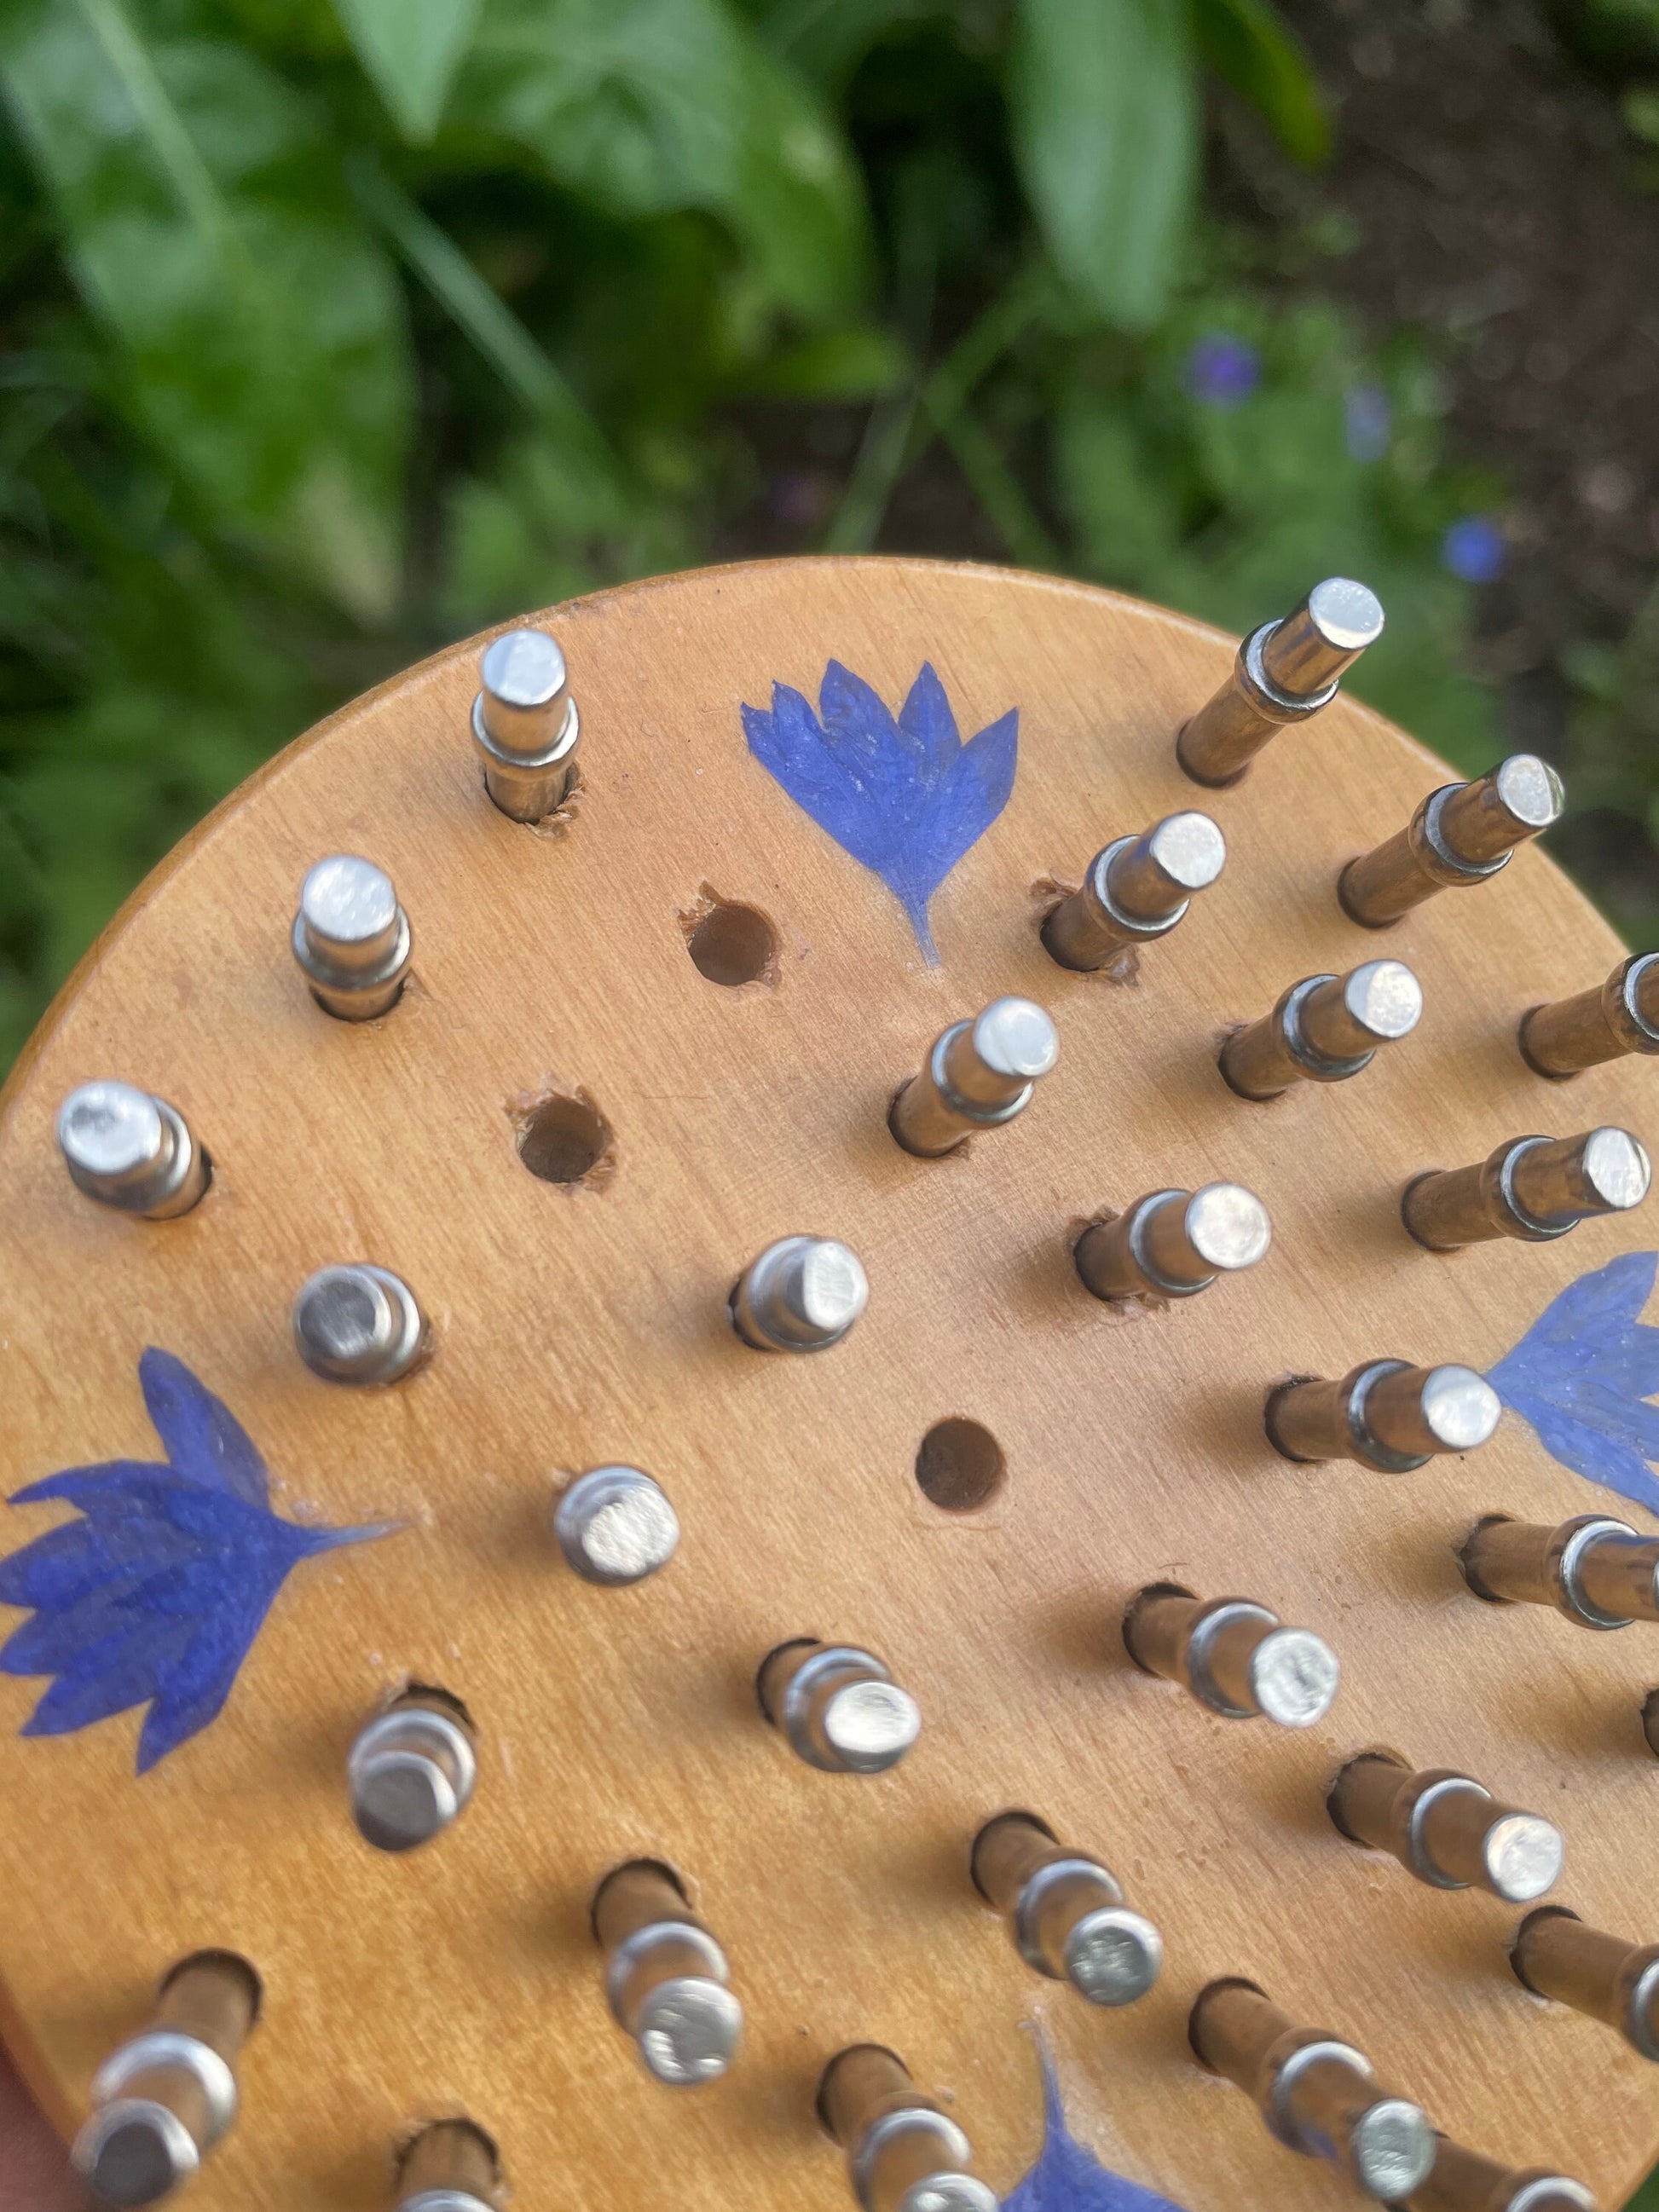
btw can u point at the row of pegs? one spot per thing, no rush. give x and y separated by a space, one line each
164 2099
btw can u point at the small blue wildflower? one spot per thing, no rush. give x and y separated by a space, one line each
1222 371
1473 549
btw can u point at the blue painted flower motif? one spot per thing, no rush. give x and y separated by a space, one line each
1583 1374
1068 2179
1473 549
155 1594
1222 371
906 797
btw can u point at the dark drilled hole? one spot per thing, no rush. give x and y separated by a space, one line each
733 945
960 1466
563 1139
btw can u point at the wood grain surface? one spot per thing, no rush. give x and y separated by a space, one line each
578 1326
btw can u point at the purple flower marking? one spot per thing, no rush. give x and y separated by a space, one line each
1222 371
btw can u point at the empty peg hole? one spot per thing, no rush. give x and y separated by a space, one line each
960 1466
563 1140
730 944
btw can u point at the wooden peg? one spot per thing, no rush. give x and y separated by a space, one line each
665 1976
904 2152
1173 1243
1136 888
1285 673
979 1075
1323 1030
1461 834
1233 1656
1064 1910
1385 1414
1594 1569
1446 1828
130 1151
1531 1188
450 2166
1617 1982
1618 1017
161 2101
838 1707
1317 2094
1462 2181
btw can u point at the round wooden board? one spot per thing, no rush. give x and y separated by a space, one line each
574 1327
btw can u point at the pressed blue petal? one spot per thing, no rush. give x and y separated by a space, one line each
927 724
204 1440
156 1594
905 798
1066 2178
969 798
789 744
194 1690
858 726
118 1671
1584 1375
109 1485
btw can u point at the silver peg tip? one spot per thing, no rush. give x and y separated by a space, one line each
802 1294
688 2031
615 1526
134 2152
357 1324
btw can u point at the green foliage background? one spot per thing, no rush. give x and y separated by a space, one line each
334 330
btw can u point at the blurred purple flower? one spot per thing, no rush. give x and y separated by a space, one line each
1473 549
1368 423
1222 371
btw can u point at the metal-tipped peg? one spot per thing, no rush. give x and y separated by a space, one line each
1597 1571
351 938
1462 2181
1065 1911
802 1294
1172 1243
1323 1030
357 1324
1533 1188
1285 671
130 1151
1385 1414
904 2152
839 1706
615 1525
411 1770
1616 1017
1318 2095
1446 1828
1136 888
1555 1956
525 724
1461 834
450 2166
1234 1655
665 1976
978 1075
163 2100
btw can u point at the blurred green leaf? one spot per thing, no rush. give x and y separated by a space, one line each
1105 123
1246 42
1641 111
411 49
864 362
650 105
262 328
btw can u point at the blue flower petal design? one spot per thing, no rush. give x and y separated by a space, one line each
906 797
155 1595
1583 1374
1068 2179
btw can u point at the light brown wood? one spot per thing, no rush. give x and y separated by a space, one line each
575 1326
